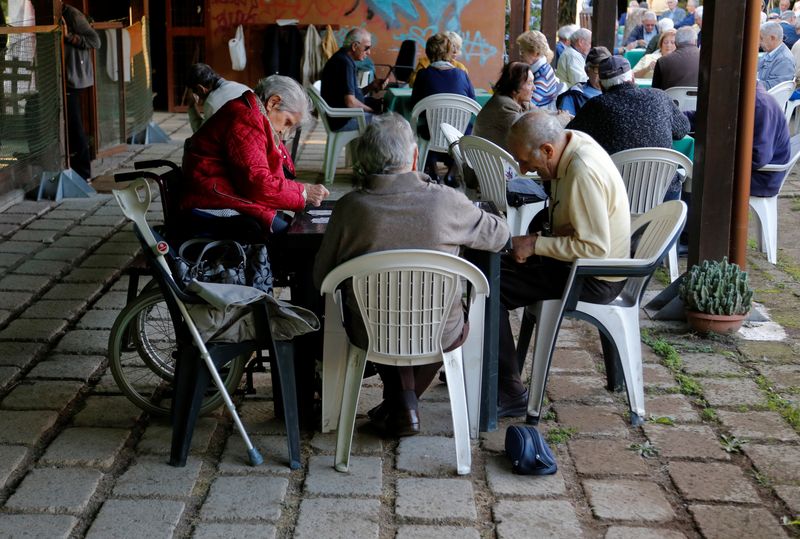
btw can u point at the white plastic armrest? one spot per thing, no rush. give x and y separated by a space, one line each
344 112
774 168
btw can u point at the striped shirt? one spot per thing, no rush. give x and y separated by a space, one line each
545 83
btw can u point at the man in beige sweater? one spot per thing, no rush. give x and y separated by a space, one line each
589 217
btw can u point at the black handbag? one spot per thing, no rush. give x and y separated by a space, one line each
224 261
529 453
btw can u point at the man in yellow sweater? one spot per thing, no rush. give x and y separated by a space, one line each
589 217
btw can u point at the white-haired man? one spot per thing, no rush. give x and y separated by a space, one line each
589 218
788 19
673 12
642 34
777 64
663 25
396 207
564 33
570 68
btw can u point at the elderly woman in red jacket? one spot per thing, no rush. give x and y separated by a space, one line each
237 161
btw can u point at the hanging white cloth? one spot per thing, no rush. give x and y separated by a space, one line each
111 55
313 60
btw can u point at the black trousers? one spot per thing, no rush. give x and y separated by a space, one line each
539 278
79 158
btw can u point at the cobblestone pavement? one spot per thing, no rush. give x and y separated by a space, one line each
720 456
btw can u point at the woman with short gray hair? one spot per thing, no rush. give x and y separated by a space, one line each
387 147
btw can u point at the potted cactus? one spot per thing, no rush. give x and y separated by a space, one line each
716 296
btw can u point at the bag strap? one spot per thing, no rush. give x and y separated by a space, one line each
209 245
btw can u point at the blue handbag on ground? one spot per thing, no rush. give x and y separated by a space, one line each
529 453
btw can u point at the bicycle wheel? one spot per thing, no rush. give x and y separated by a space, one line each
140 352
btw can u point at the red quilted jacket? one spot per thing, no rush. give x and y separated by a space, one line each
233 162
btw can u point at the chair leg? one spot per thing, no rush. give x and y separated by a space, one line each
191 381
357 360
525 334
770 229
623 329
334 365
458 408
284 359
611 358
672 263
330 157
548 314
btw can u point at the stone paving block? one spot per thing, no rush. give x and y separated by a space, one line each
602 456
112 300
628 500
568 360
83 242
68 255
67 367
586 388
338 517
782 377
90 231
426 455
22 283
84 341
625 532
92 275
7 229
25 427
64 309
779 462
98 319
686 441
435 499
19 219
11 458
20 247
153 477
364 478
107 261
273 448
657 377
263 500
215 530
84 203
712 482
10 259
108 411
40 236
503 482
126 235
769 352
758 425
790 496
153 519
119 248
259 417
31 329
50 224
554 519
732 392
104 220
84 291
41 395
106 385
83 446
7 374
72 215
678 407
435 418
157 438
364 443
55 490
12 301
710 365
31 207
724 522
436 532
52 268
596 420
50 526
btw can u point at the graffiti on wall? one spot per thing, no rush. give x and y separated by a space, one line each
475 46
232 13
446 12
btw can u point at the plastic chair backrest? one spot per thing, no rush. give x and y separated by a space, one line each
454 109
406 60
489 161
647 173
314 91
453 135
782 92
685 97
404 297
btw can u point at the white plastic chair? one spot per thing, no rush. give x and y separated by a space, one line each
766 208
685 97
782 92
647 173
618 321
454 109
336 139
453 135
490 162
404 297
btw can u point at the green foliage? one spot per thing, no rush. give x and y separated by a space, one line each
661 420
560 435
732 444
717 288
646 449
776 403
550 415
709 414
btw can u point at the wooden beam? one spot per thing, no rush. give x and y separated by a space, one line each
710 217
604 17
516 25
549 22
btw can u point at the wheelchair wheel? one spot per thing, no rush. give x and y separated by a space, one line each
141 350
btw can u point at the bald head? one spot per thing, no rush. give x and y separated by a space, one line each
537 140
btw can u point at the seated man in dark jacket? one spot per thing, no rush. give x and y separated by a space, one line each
770 144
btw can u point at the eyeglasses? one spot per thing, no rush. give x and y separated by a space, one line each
365 47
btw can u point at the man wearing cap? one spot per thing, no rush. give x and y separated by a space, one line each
681 67
589 217
626 117
574 98
570 65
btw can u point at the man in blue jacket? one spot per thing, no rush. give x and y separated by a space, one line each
770 144
777 64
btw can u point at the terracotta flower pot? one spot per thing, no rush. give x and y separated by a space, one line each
725 324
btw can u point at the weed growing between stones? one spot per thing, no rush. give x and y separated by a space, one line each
645 449
776 403
732 444
661 420
762 479
709 414
560 435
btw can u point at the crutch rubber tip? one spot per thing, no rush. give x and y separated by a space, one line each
255 457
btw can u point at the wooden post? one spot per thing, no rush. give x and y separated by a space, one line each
549 24
604 17
720 78
516 25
